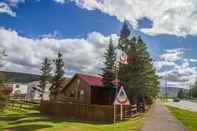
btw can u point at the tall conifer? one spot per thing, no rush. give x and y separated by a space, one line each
46 75
109 65
124 36
59 75
138 77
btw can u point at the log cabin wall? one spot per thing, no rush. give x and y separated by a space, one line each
78 91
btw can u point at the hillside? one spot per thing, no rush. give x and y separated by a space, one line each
20 77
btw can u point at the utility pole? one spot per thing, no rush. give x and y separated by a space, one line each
166 90
190 91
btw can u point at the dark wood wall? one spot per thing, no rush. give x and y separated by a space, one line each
102 96
77 91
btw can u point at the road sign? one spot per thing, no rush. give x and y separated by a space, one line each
121 98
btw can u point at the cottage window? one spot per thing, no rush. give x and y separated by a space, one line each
78 82
72 94
82 92
77 89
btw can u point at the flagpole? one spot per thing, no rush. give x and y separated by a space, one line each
122 60
116 81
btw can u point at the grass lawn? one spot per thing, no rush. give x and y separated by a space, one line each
33 121
188 118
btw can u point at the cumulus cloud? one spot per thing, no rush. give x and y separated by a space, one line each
26 54
176 68
60 1
193 60
14 2
5 8
173 54
177 17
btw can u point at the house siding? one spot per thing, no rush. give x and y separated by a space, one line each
77 91
80 91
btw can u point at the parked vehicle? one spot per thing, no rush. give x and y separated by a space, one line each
176 100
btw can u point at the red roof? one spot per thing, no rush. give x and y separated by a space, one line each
7 88
92 80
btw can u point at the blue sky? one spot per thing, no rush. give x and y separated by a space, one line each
92 23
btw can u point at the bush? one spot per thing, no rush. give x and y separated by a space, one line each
149 100
3 100
3 96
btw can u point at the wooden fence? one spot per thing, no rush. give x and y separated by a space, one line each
102 113
22 105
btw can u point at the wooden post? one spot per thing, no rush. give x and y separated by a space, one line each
114 113
121 113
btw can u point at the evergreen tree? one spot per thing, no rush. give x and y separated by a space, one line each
59 75
2 55
124 36
128 73
123 45
3 96
193 91
180 94
139 76
109 65
149 80
46 75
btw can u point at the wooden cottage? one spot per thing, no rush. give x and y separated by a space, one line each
87 89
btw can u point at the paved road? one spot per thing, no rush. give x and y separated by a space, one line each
161 119
187 105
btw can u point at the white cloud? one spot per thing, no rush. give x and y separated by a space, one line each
60 1
173 54
180 72
25 54
193 60
177 17
15 2
5 8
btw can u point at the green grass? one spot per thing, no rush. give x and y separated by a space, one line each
188 118
34 121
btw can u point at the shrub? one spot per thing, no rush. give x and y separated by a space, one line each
3 100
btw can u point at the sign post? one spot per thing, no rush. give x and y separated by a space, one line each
121 113
122 59
121 99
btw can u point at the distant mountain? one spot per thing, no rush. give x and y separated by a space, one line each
171 91
20 77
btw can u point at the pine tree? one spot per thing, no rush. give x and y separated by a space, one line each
180 94
2 55
46 75
3 96
123 44
109 65
128 73
193 91
150 85
124 36
59 75
139 76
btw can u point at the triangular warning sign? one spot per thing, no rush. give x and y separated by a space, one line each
121 98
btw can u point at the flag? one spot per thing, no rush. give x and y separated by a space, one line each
123 58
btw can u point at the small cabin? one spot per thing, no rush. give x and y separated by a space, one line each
87 89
